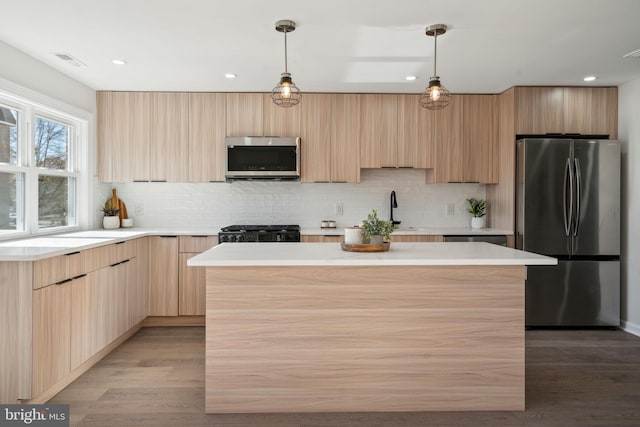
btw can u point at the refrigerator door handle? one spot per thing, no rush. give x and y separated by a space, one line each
576 222
567 218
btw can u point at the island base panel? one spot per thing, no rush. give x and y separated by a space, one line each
350 339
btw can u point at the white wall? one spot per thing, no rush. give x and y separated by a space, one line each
219 204
27 77
629 135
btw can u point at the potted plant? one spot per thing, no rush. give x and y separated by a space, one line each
478 210
111 219
377 230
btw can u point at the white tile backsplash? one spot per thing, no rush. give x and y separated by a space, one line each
272 202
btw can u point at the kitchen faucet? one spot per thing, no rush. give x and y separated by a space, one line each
394 204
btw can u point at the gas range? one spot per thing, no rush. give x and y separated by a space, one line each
259 233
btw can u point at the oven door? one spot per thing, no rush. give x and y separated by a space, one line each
262 158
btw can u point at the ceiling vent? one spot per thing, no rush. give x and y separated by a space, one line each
70 59
634 54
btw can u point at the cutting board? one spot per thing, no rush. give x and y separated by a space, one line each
118 204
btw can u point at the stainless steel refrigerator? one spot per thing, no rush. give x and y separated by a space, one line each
568 207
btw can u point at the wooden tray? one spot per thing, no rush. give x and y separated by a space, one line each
365 247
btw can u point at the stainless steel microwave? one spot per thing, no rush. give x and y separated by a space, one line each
254 157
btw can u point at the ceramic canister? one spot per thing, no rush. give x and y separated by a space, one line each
353 235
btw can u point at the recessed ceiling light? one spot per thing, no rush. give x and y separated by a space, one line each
118 61
231 75
410 78
590 78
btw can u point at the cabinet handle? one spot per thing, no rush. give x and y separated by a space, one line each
158 180
405 167
125 261
168 237
62 282
72 253
118 243
140 180
117 263
199 236
80 276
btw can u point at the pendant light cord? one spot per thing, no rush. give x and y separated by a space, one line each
435 53
285 50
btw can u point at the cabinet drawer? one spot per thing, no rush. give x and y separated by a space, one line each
57 269
197 243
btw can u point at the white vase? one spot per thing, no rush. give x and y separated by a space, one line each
478 222
111 222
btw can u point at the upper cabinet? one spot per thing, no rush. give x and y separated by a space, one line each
316 137
464 145
207 118
591 111
416 133
169 137
557 110
281 121
345 140
379 131
244 114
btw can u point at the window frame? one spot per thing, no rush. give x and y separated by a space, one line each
78 164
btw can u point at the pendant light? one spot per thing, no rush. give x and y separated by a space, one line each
286 93
436 96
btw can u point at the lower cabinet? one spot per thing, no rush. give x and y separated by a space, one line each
192 281
51 336
321 238
163 276
416 238
76 318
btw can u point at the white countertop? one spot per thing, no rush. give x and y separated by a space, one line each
420 231
36 248
330 254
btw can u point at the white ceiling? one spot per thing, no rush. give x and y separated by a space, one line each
339 45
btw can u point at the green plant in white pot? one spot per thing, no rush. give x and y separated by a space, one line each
478 210
111 219
377 230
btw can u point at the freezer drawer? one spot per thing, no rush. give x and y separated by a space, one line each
573 293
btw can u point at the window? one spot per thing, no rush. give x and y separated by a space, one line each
39 172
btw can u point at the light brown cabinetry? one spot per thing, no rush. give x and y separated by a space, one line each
169 129
345 146
207 118
192 285
378 131
281 121
591 111
448 147
465 146
321 238
416 133
568 110
163 276
416 238
244 114
51 336
316 138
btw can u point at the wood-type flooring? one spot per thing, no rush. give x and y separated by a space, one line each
573 378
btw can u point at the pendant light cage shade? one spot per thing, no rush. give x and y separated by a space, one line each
286 93
436 96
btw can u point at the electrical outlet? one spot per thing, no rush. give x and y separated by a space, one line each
339 209
139 209
450 209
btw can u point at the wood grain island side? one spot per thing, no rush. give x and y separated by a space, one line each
353 334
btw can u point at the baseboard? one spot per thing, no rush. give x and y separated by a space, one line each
153 321
73 375
632 328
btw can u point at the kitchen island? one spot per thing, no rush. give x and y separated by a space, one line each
307 327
